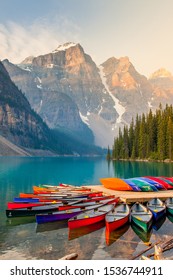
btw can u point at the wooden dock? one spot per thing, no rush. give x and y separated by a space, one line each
131 196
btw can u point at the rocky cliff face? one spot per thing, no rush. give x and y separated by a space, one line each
70 92
64 87
18 122
162 82
132 90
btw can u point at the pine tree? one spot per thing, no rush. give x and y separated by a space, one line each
108 157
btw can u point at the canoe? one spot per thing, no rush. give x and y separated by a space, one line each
157 207
90 217
18 205
144 186
61 195
89 202
150 184
29 205
31 195
169 181
55 216
141 216
48 199
118 217
25 199
169 205
115 184
131 184
164 184
153 183
38 190
143 235
31 211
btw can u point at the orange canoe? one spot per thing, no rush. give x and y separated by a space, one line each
115 184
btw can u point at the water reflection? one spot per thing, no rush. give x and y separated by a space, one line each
53 240
78 232
113 236
143 235
126 169
170 217
51 226
158 224
20 221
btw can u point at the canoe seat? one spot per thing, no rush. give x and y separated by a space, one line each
143 214
158 206
138 211
120 215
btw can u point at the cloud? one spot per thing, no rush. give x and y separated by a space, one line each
42 36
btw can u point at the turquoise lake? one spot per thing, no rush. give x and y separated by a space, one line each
22 238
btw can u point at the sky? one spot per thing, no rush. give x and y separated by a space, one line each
139 29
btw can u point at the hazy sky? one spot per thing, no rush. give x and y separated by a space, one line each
139 29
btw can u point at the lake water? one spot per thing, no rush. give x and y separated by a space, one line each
21 238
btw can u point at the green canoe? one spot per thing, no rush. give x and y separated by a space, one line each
141 216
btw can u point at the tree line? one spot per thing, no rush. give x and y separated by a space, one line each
150 136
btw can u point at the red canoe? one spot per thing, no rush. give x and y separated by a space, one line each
90 217
118 217
161 181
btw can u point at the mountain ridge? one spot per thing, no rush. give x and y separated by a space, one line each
106 97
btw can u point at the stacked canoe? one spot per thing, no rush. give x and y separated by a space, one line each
144 184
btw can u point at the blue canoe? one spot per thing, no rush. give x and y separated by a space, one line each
152 186
154 183
133 185
157 207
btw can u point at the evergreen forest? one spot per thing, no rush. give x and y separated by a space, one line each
148 137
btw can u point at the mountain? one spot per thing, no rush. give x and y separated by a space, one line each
88 102
162 82
23 132
18 122
65 88
133 90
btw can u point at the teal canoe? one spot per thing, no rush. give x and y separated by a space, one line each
169 205
144 186
141 216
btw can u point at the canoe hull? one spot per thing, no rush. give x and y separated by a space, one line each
89 218
110 226
115 184
54 217
157 208
141 224
141 216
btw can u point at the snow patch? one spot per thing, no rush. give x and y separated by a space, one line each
40 81
27 69
118 107
64 47
84 118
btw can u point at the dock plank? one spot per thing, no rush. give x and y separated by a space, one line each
131 196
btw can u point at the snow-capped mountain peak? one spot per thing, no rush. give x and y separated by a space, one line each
64 47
